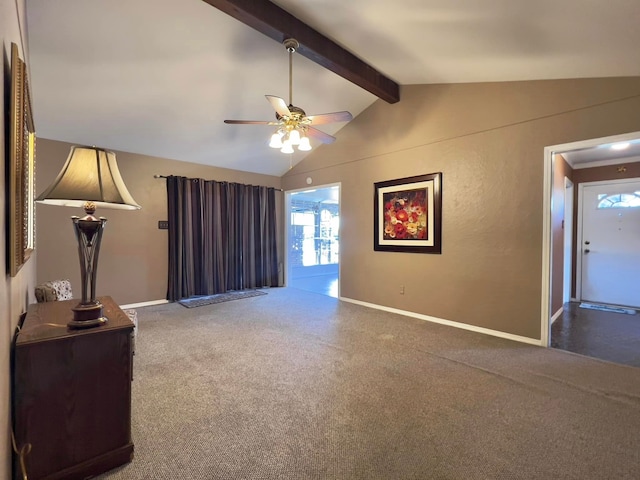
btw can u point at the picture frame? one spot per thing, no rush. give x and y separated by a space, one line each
22 163
408 214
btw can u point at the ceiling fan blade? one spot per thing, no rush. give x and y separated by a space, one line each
279 105
330 118
320 135
250 122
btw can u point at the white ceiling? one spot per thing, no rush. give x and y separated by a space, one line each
604 154
158 77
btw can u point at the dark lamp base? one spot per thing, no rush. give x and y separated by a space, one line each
87 315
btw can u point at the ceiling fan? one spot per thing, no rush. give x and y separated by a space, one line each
293 125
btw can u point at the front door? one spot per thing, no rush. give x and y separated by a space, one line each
610 250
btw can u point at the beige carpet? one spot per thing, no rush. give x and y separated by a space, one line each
295 385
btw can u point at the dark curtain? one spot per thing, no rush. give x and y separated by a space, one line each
222 236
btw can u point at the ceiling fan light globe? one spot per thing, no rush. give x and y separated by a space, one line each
294 137
276 140
305 145
286 147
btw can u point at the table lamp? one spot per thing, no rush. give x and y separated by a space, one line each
89 179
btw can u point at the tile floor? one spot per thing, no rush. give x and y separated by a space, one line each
610 336
323 284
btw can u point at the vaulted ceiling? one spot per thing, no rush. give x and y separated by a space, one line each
158 77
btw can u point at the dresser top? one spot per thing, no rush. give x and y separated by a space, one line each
48 321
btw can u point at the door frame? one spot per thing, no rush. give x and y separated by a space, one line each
547 192
579 231
568 239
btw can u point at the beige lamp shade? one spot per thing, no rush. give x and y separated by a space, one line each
90 175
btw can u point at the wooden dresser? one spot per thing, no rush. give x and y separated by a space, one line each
72 392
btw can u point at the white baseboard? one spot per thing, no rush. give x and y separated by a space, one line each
449 323
144 304
557 315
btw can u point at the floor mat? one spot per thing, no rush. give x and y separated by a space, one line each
219 298
607 308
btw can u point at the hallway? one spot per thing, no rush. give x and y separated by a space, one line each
610 336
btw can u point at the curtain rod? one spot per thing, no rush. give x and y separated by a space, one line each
165 176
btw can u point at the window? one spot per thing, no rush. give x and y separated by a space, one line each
313 232
619 200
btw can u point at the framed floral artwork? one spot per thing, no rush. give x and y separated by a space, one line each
408 214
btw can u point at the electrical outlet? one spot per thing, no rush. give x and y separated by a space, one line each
163 225
401 289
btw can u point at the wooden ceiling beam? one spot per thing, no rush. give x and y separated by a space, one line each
271 20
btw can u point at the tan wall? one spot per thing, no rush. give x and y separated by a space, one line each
561 169
15 292
488 140
133 258
595 174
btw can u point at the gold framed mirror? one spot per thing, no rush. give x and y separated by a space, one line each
22 158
